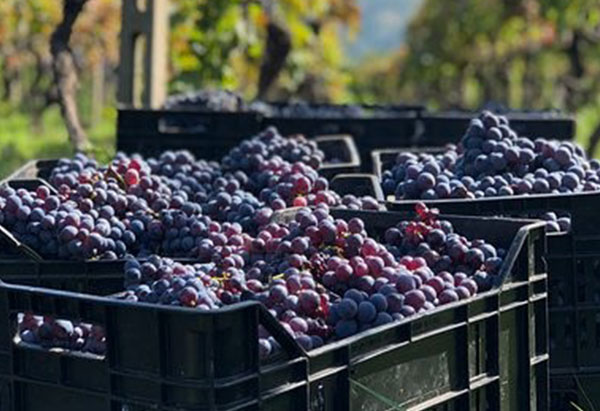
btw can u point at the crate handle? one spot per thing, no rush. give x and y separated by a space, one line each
516 246
201 123
350 151
419 132
347 183
71 352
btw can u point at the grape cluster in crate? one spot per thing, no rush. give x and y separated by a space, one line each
322 278
166 205
492 161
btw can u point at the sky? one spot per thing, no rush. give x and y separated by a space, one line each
383 26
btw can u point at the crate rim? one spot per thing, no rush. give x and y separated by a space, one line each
541 115
544 196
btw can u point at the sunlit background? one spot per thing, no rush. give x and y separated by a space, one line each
539 54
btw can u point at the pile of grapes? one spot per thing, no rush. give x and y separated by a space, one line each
209 100
49 333
492 161
168 205
323 278
229 101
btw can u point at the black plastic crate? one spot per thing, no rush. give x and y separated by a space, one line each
487 352
207 134
33 169
573 271
369 133
210 135
376 125
341 155
449 127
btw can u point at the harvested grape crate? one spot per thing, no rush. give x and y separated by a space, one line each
562 189
573 269
154 131
489 351
210 135
22 264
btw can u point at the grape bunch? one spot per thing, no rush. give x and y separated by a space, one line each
423 264
281 184
423 175
143 206
164 281
251 153
239 206
48 332
213 285
490 161
67 171
64 226
209 100
323 278
230 101
181 171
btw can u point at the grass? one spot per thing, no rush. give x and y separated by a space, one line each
20 142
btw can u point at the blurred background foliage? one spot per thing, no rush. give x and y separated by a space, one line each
536 54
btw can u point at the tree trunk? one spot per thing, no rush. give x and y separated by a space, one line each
277 49
65 72
574 97
11 80
97 93
6 84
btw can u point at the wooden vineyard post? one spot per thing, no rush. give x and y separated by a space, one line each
143 53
